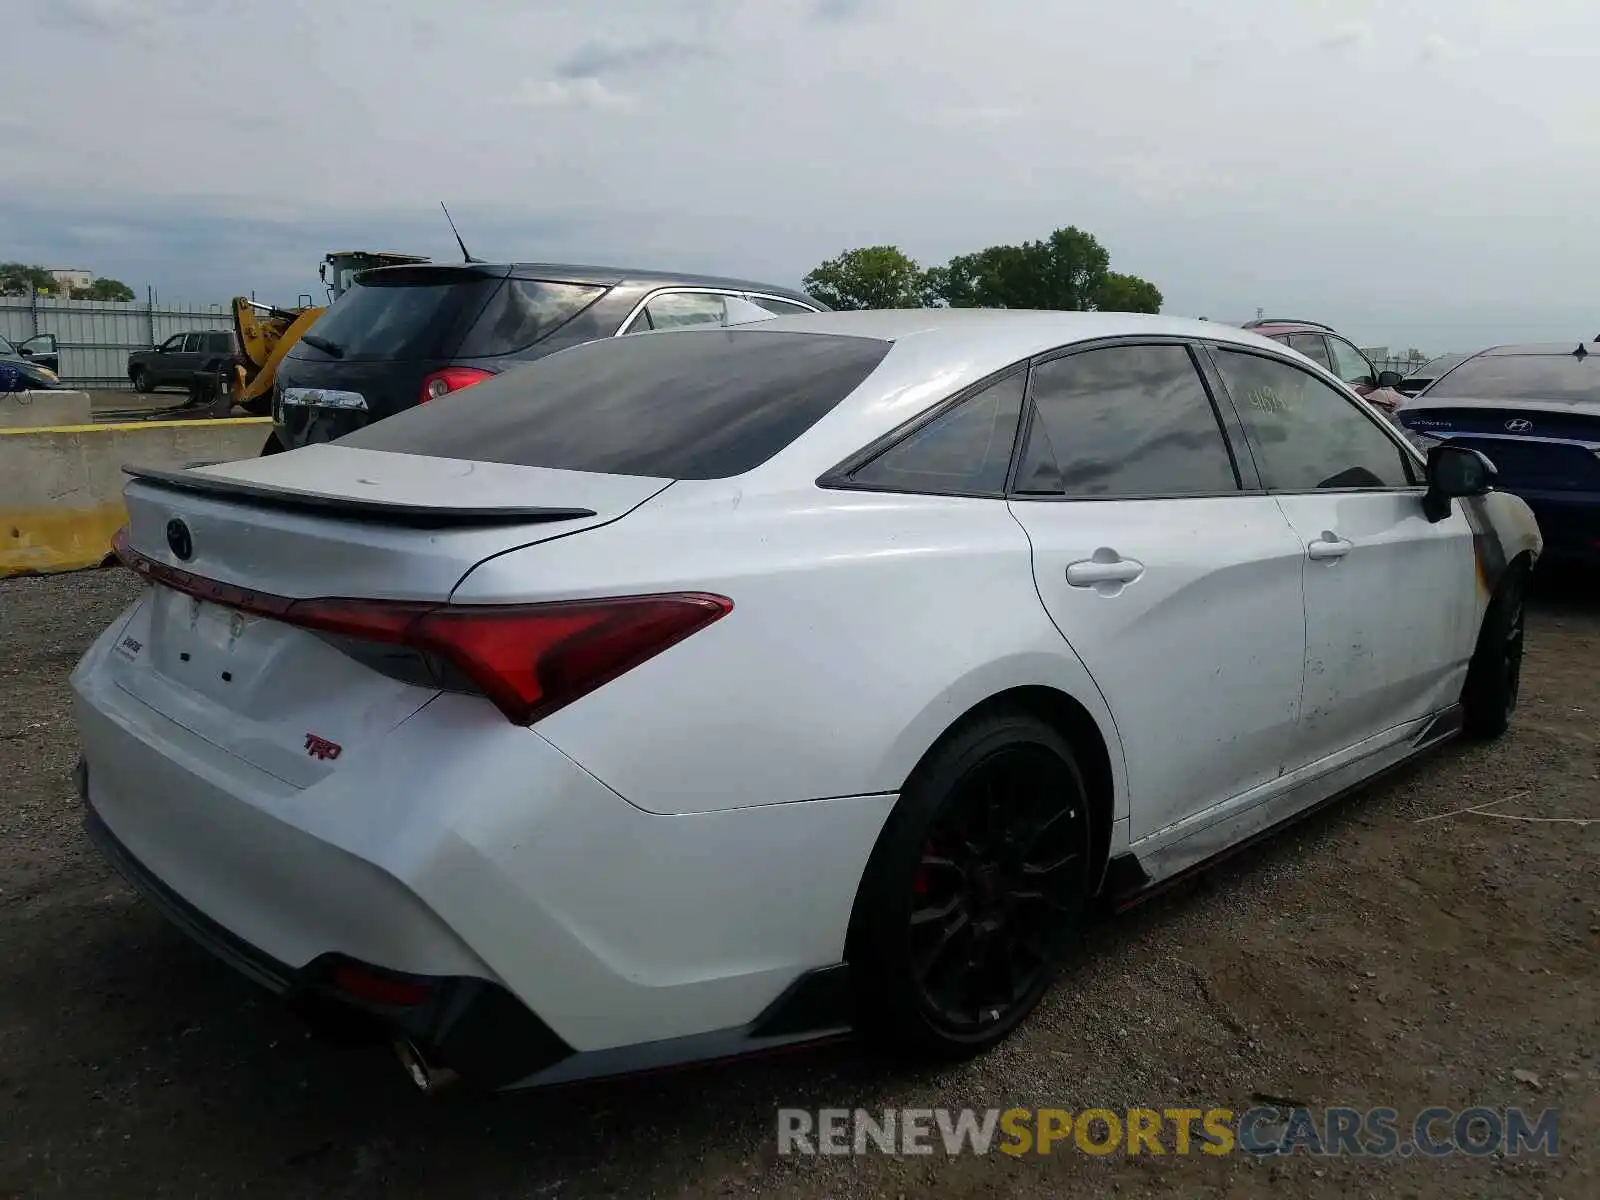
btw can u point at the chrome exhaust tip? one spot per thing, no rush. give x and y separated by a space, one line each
425 1075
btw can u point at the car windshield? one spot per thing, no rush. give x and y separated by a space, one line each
6 347
684 404
1524 377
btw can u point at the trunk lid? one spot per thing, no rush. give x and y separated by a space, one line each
325 521
1543 446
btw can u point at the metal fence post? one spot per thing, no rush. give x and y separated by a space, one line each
150 311
33 310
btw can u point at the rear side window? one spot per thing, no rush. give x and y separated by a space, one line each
1124 421
784 308
965 451
698 404
525 311
1307 436
1313 347
410 316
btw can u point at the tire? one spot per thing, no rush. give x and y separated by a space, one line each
1494 677
141 381
975 891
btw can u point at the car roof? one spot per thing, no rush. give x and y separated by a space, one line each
998 336
589 273
1271 325
1553 349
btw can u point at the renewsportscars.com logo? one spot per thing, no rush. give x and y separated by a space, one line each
1328 1132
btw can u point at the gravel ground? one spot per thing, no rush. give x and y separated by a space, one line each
1368 957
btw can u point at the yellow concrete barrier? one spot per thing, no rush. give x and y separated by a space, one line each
61 487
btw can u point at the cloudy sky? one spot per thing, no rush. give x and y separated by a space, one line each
1418 172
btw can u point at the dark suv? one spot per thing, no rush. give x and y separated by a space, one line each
182 360
1327 349
402 336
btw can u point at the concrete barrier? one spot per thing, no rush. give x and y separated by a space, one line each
61 486
36 409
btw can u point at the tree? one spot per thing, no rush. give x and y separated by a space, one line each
1127 293
104 289
868 277
1062 272
19 279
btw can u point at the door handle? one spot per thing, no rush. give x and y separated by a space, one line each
1099 569
1329 546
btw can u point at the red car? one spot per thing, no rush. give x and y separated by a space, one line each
1323 346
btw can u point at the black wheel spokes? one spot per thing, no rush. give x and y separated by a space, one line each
995 886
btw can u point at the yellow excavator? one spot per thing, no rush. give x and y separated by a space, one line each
266 333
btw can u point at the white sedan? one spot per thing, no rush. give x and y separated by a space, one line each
695 693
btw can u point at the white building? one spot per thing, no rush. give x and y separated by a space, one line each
68 278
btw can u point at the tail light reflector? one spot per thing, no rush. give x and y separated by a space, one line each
451 379
529 659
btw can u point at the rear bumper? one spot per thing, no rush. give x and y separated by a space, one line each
474 1027
467 852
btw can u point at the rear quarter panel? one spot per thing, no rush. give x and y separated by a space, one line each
864 625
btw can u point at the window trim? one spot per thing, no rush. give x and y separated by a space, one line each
627 325
1408 452
838 476
1226 417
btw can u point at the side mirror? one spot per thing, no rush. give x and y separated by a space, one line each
1455 471
1389 379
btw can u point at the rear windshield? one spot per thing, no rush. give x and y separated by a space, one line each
402 320
1523 377
687 404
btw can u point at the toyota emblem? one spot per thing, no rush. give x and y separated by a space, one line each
179 540
1519 425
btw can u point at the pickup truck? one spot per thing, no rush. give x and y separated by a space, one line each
183 360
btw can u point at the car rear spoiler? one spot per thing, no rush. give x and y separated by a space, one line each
416 516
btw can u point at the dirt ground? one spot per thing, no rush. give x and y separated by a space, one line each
1371 956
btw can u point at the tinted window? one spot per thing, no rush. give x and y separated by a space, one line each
784 308
1349 364
1524 377
967 449
524 311
1306 434
1312 346
1124 421
677 309
219 343
404 315
173 344
6 347
192 342
704 404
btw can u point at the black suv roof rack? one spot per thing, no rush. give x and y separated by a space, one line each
1286 321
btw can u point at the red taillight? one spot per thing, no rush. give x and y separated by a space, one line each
451 379
529 659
